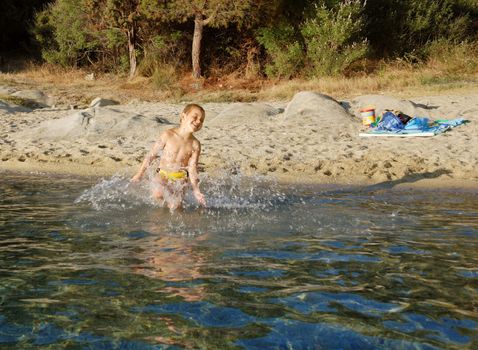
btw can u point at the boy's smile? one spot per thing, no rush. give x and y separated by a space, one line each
194 119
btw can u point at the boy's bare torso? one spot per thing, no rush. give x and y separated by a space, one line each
177 150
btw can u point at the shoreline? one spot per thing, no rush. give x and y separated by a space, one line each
409 182
312 139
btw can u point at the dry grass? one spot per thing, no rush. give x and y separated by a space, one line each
69 86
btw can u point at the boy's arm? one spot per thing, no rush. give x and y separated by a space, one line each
193 173
152 155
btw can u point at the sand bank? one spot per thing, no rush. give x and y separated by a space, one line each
311 139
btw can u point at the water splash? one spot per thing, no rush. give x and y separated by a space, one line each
232 192
237 191
236 203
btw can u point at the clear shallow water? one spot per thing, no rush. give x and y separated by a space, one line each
94 264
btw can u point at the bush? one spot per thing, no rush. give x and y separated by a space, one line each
61 31
164 77
333 38
284 50
404 27
165 49
451 58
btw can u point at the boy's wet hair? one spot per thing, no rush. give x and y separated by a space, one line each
191 106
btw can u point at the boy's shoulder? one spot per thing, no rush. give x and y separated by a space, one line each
167 133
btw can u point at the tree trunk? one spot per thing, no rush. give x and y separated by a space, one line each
132 51
196 52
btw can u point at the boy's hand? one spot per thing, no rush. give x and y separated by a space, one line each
200 198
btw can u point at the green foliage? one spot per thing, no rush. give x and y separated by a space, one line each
301 37
404 27
284 49
63 34
426 20
333 37
123 64
114 38
169 48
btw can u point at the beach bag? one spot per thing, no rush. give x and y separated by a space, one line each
403 117
390 122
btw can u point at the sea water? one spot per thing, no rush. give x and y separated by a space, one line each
97 264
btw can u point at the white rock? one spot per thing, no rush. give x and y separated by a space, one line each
243 113
6 90
99 124
310 108
102 102
36 96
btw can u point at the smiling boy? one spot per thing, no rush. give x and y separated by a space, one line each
179 152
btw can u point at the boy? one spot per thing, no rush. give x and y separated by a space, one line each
179 151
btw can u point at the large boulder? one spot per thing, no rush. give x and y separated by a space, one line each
99 123
103 102
6 90
39 99
309 108
238 113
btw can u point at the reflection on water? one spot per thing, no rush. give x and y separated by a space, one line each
102 267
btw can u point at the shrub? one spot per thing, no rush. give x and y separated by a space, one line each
164 49
404 27
164 77
452 58
284 50
333 37
62 33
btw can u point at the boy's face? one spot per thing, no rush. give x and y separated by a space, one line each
193 119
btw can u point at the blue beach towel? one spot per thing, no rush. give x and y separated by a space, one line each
417 123
391 125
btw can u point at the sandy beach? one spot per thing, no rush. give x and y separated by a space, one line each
311 139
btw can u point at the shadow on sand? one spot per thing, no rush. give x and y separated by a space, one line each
407 179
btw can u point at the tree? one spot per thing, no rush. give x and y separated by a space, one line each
62 31
71 32
214 13
125 16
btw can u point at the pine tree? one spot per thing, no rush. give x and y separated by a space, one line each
214 13
126 17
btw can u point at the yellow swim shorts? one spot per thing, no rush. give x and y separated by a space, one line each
173 175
